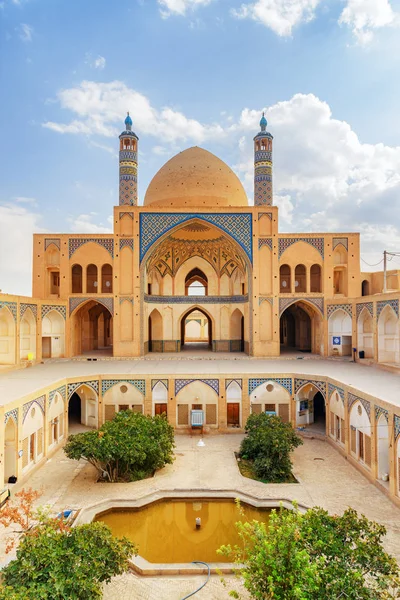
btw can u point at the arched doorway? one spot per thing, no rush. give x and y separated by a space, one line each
74 410
83 409
196 283
311 408
365 331
155 332
53 335
300 329
383 447
204 342
340 333
388 336
237 331
27 350
10 449
92 330
319 409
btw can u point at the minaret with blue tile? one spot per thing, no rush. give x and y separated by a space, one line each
128 165
263 165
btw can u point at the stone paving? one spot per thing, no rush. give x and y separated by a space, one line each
330 482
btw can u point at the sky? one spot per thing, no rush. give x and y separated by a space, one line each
198 72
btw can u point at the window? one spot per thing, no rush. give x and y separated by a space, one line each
284 272
106 279
77 279
91 279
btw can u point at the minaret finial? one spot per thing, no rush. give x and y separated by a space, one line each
128 122
263 122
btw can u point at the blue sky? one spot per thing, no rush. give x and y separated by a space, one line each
198 72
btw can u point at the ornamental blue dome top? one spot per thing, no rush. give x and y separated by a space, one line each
263 122
128 122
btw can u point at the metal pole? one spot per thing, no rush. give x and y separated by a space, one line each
384 270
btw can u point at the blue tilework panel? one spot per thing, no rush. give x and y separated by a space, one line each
396 427
237 226
320 385
12 307
139 384
285 382
72 387
383 303
12 414
181 383
317 243
334 388
381 411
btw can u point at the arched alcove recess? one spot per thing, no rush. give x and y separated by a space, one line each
32 436
388 336
55 417
10 449
310 407
315 279
53 335
122 396
270 396
340 259
300 279
266 320
382 428
365 288
126 225
237 331
106 279
83 408
186 343
76 279
265 261
52 256
126 321
365 333
7 337
197 396
155 332
92 329
27 336
337 429
207 274
126 262
159 395
92 282
301 329
265 225
196 283
234 404
285 279
360 434
340 333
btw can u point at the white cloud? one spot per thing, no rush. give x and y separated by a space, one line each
279 15
364 16
84 224
17 225
96 63
25 32
25 200
179 7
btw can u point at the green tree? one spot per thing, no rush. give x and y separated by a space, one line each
268 443
130 447
55 563
315 556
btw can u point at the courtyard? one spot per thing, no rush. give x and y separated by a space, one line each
325 478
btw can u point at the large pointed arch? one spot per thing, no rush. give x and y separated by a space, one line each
301 326
91 327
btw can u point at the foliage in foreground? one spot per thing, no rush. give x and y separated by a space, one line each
268 444
315 556
130 447
54 562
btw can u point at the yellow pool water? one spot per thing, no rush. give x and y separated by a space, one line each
165 532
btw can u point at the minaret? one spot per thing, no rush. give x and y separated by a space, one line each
128 165
263 165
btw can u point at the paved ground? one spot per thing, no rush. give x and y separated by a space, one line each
331 483
371 380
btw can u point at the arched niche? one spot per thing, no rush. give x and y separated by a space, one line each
388 336
315 279
27 333
202 265
360 433
55 417
285 279
159 396
197 395
340 333
10 449
271 397
383 446
265 325
300 279
310 406
365 333
337 428
106 279
91 329
32 436
7 337
83 406
122 396
155 331
76 279
233 404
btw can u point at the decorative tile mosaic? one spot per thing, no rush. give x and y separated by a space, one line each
285 243
320 385
77 301
262 299
268 214
331 308
72 387
163 381
24 306
49 241
381 411
368 305
62 390
284 303
396 427
39 401
238 226
139 384
126 243
196 299
126 299
122 214
11 414
351 399
229 381
285 382
181 383
46 308
334 388
265 242
75 243
382 303
340 240
12 307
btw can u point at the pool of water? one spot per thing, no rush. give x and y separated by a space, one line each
165 531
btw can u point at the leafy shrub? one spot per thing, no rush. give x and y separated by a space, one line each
130 447
268 443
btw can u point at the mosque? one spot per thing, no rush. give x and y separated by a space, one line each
199 267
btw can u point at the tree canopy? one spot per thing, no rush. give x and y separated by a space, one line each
130 447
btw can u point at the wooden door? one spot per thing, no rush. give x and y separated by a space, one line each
361 445
160 409
233 413
46 347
